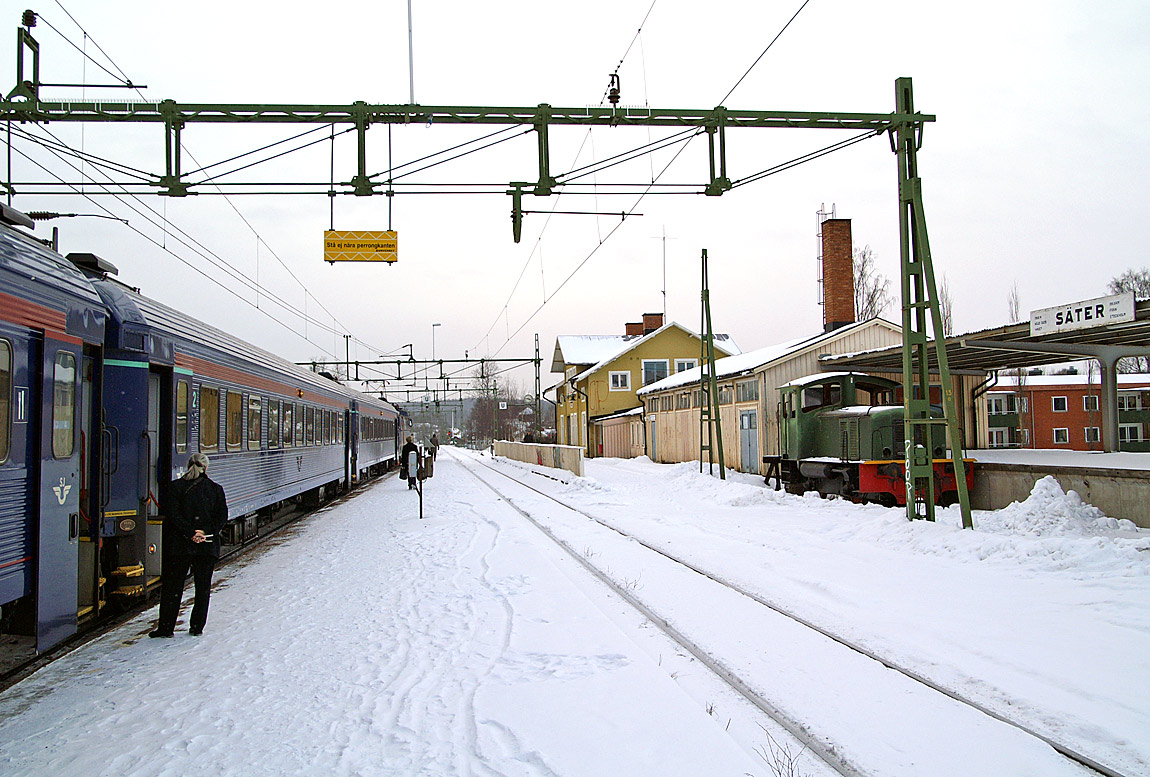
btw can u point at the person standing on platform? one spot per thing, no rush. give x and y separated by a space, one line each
196 511
434 444
409 460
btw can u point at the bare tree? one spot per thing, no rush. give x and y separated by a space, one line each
1137 281
1014 302
872 288
946 307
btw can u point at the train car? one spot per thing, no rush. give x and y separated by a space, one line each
51 329
375 442
104 394
843 433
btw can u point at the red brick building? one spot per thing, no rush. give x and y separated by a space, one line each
1065 411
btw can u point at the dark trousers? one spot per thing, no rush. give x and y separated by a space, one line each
172 578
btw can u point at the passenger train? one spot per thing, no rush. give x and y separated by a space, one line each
843 433
104 394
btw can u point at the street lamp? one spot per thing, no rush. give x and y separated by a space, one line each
433 340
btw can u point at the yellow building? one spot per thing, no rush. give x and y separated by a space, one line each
601 374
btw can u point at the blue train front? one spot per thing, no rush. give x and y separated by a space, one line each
105 395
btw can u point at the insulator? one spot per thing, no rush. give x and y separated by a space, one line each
29 19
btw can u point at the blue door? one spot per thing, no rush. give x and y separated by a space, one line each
59 538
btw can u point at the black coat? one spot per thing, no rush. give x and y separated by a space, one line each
194 504
410 447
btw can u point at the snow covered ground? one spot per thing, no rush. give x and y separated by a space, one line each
369 642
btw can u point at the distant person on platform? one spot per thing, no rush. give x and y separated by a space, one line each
529 437
196 511
409 457
434 444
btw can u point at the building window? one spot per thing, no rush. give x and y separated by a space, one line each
684 401
1061 436
181 416
63 405
998 438
1090 403
747 391
234 420
255 419
1058 404
209 418
274 423
1002 404
1024 437
1130 432
1129 402
653 370
1093 434
620 381
682 365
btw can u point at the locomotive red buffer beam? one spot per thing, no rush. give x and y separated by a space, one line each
889 477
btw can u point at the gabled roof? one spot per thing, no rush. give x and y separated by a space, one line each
753 360
624 344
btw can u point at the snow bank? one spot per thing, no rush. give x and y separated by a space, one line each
1051 512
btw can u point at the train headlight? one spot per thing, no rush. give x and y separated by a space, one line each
128 524
152 549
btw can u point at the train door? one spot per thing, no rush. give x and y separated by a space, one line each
90 590
58 546
749 440
155 449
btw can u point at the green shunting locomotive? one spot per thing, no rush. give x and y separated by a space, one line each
843 433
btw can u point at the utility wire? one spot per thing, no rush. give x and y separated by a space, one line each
768 48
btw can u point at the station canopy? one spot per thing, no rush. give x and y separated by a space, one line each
1013 347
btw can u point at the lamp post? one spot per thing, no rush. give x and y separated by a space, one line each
433 340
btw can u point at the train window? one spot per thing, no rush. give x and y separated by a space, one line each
63 405
181 416
234 419
274 423
5 398
327 427
309 428
873 394
255 422
339 428
288 423
298 425
823 395
209 418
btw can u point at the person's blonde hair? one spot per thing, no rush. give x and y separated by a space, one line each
197 465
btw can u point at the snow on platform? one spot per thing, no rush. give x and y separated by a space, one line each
373 643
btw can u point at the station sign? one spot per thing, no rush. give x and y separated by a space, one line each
1102 311
360 246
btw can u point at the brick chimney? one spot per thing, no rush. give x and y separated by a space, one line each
651 322
635 328
838 274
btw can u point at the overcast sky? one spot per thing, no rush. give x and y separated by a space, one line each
1034 172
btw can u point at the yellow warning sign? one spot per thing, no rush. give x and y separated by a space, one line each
360 246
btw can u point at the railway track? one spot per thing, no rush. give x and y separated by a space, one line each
819 746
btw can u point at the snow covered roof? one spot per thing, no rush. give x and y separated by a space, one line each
752 360
1010 382
579 349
